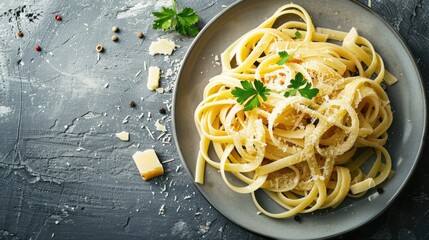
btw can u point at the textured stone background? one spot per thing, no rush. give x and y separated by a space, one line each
63 175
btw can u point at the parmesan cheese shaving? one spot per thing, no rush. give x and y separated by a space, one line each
160 127
153 78
162 46
123 136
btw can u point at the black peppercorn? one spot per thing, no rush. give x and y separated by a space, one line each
316 121
132 104
310 120
380 190
297 218
162 111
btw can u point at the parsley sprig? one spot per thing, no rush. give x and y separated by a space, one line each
284 57
296 86
183 22
250 93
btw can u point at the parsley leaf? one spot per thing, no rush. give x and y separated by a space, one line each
187 20
284 57
249 94
164 19
297 34
183 22
296 86
308 92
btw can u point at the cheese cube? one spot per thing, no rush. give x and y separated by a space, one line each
153 78
148 164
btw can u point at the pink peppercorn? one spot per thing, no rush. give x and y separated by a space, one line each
58 18
38 48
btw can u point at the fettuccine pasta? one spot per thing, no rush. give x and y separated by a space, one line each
305 153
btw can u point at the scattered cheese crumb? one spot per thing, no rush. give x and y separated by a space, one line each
162 209
164 188
150 133
160 136
203 229
187 197
153 78
160 90
167 161
160 127
123 136
126 119
162 46
169 72
106 85
148 164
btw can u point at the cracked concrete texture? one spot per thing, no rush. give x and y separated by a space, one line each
63 174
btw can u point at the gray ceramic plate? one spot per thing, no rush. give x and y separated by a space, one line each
406 134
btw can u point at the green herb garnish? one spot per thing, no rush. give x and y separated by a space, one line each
284 57
183 22
297 34
249 94
296 86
